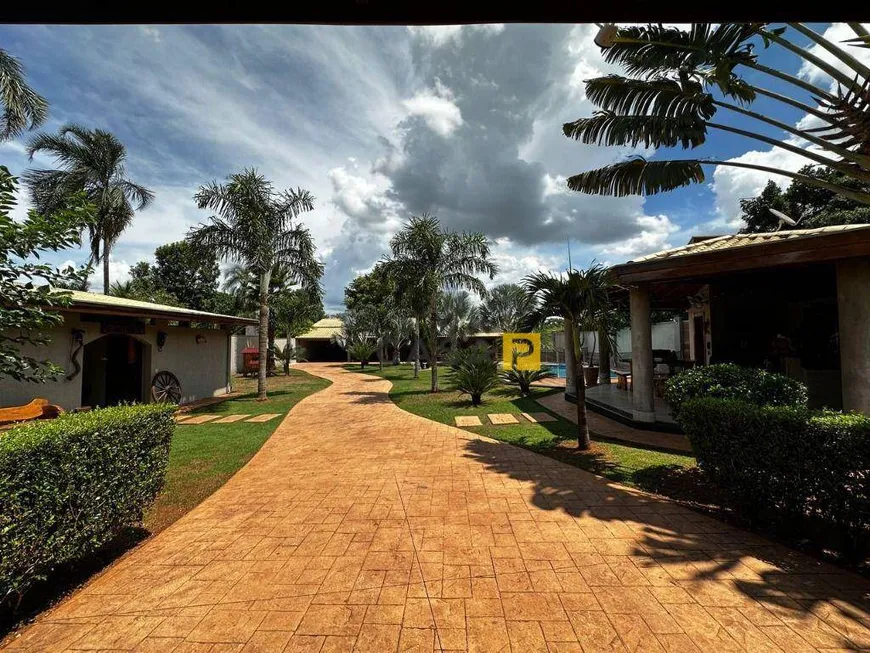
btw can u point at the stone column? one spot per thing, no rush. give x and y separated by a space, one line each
603 358
641 355
570 381
853 307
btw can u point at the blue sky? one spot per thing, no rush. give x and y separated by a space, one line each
379 123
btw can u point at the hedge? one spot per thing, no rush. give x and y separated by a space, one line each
787 466
70 485
730 381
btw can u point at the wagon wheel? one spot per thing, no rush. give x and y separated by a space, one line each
166 388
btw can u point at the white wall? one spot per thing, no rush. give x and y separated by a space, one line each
201 369
249 339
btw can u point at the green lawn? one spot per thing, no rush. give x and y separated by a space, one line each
656 471
204 456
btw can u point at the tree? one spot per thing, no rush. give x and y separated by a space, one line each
143 291
294 312
427 258
189 274
679 79
581 299
254 225
506 308
93 163
22 107
24 300
810 206
458 318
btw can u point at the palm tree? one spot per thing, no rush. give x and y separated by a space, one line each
427 259
93 163
580 298
253 225
678 81
411 303
506 308
22 107
458 317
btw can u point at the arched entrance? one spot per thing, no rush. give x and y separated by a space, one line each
114 368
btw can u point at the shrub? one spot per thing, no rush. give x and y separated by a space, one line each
787 466
70 485
525 378
362 350
475 373
730 381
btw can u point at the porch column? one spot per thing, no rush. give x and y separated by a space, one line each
853 307
641 355
570 381
603 359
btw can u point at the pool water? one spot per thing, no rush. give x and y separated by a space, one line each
559 369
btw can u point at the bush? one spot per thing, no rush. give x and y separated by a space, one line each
730 381
787 466
70 485
525 378
362 350
475 372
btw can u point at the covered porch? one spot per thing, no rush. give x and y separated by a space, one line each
793 302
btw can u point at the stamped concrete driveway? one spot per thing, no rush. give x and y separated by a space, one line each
360 527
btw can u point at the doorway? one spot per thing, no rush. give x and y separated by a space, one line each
699 340
112 371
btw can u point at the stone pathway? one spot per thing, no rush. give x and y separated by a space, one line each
359 527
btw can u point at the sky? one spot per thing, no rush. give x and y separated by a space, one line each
381 123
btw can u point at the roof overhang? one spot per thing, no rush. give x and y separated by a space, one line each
820 247
145 310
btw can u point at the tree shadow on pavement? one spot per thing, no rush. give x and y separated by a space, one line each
719 565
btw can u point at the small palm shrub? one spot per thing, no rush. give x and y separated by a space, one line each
475 373
362 350
525 378
730 381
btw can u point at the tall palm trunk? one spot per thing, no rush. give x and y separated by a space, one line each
433 347
580 381
416 347
270 357
105 269
263 334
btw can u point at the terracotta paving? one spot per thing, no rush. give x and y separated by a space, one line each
359 527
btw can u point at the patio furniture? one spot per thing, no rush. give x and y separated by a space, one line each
623 380
37 409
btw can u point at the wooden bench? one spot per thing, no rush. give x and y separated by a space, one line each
623 380
37 409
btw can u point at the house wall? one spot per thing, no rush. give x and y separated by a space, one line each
248 339
200 368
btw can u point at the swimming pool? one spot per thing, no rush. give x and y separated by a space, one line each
559 369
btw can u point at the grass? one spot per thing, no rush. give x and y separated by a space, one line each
204 456
655 471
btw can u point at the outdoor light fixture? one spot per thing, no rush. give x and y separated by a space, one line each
161 340
200 339
606 36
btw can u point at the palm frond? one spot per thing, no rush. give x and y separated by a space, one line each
638 177
22 107
607 128
659 96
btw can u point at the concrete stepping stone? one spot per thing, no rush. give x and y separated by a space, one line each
200 419
181 418
229 419
468 420
539 418
503 418
265 417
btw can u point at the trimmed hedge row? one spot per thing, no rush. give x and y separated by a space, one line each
730 381
69 485
787 466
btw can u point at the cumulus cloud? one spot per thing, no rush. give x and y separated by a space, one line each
118 271
836 33
437 109
654 233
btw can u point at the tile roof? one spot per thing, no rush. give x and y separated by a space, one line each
323 329
733 241
97 302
